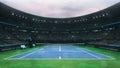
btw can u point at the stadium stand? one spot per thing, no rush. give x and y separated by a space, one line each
99 29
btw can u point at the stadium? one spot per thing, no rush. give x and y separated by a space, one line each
31 41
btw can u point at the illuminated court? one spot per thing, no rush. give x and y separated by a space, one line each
61 51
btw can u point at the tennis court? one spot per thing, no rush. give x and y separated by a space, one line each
61 51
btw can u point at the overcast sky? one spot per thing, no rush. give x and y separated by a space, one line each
60 8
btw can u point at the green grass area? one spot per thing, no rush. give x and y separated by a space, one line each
60 63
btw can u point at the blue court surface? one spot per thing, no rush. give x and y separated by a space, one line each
61 51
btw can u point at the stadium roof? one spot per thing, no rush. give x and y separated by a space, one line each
59 8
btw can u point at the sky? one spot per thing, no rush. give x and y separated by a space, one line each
60 8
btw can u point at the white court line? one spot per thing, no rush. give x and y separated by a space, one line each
22 53
100 54
89 53
30 53
60 49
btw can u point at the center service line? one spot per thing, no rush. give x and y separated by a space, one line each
59 48
59 51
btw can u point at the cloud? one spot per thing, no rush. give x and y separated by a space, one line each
59 8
